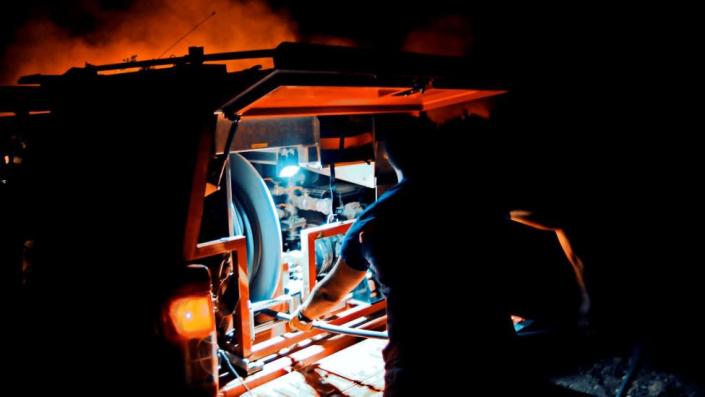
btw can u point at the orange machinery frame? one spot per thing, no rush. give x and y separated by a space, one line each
247 349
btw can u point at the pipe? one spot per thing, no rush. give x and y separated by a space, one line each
223 56
336 329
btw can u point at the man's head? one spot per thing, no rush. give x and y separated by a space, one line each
406 140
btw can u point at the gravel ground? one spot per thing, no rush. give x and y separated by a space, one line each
603 378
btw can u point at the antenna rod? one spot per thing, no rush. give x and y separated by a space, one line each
187 33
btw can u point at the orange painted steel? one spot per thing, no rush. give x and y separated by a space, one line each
274 345
301 358
236 245
198 189
315 234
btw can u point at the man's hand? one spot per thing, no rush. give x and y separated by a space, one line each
327 293
299 322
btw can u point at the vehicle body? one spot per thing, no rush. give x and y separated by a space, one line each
111 204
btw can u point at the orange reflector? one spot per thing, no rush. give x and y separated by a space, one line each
192 316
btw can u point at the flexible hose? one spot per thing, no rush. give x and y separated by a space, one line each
336 329
350 331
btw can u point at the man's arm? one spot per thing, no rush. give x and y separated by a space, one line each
328 293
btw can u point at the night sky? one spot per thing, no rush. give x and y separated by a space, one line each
370 23
536 36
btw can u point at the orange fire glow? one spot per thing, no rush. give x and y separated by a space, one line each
146 31
449 35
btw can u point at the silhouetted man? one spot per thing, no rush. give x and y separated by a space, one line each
437 242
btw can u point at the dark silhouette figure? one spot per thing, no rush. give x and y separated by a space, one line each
440 243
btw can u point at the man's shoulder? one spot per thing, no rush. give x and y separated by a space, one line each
364 221
392 201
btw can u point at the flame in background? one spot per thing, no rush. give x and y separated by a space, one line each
145 31
331 40
149 27
449 35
